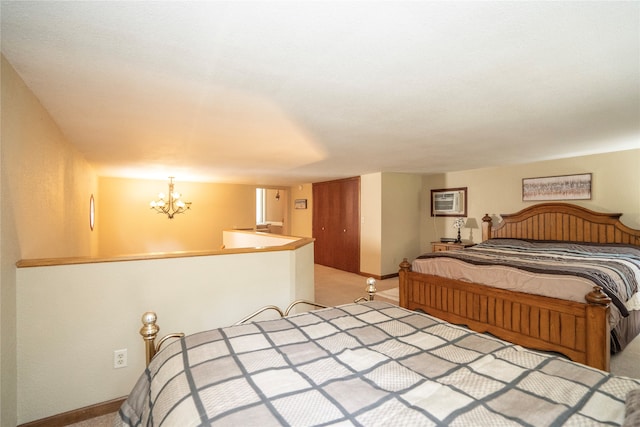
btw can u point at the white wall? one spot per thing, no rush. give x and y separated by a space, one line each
72 317
250 239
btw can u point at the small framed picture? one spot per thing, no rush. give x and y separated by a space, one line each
300 204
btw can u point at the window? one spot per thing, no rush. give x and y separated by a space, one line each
261 206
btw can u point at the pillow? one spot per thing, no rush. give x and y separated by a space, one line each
632 409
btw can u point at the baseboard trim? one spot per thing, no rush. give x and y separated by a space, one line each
77 415
378 277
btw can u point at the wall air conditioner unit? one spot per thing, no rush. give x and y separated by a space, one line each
448 202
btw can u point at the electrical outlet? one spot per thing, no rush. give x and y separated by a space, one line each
120 358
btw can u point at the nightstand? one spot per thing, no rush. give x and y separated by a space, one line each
439 246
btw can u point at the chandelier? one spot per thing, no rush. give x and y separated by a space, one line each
171 206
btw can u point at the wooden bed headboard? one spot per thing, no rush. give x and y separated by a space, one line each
561 221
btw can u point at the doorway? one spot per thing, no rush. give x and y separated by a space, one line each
272 215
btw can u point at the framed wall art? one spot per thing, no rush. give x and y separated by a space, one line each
300 204
563 187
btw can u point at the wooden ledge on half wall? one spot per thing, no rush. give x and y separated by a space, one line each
42 262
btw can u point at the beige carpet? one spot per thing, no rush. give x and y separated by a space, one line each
391 294
335 287
627 362
103 421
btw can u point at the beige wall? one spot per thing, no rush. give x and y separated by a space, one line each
371 224
400 218
389 210
301 219
127 225
615 188
275 209
49 182
46 185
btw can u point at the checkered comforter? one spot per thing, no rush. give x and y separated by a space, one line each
366 364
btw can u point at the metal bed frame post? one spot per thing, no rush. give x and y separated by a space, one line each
371 290
149 332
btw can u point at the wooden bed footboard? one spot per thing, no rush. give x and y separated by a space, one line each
579 331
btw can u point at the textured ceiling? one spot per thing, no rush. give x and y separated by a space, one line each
281 93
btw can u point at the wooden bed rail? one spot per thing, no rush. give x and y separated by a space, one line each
579 331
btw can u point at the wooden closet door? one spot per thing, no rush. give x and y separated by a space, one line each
336 224
348 239
320 224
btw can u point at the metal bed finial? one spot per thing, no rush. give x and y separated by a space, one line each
371 290
149 332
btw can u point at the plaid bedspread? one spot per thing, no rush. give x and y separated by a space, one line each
366 364
615 268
